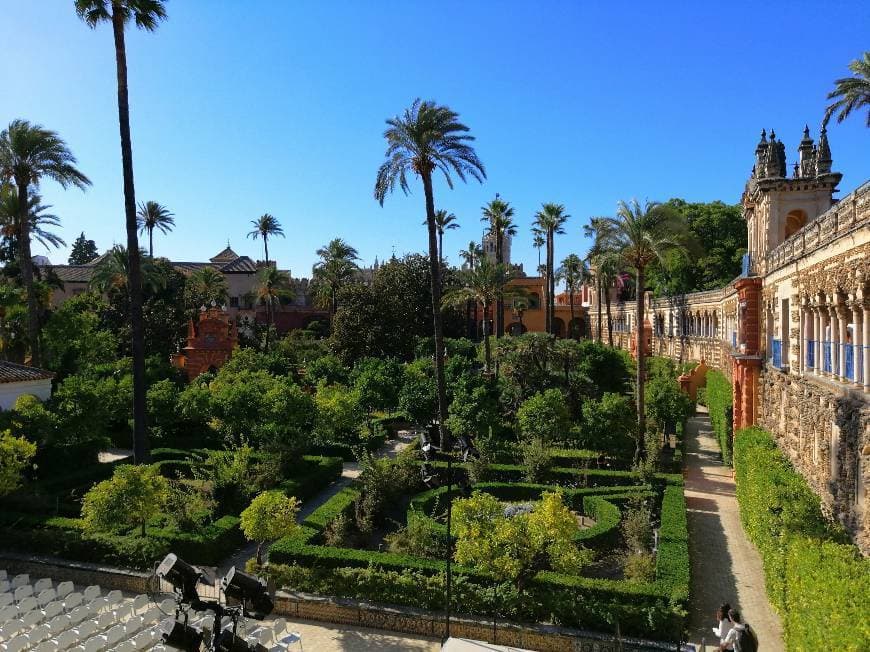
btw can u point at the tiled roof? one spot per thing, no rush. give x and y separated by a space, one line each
84 273
225 256
73 273
240 264
17 373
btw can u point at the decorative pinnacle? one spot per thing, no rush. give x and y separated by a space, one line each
764 135
806 131
772 135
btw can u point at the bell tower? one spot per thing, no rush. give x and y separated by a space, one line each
776 206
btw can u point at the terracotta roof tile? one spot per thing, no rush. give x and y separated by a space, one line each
11 372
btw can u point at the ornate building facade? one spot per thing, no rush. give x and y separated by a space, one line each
793 330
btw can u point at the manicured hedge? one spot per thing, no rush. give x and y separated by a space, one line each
815 578
313 476
720 402
347 452
672 556
64 537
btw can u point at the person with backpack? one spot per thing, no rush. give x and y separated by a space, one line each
724 625
741 637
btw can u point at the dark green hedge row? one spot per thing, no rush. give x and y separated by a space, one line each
347 452
815 578
672 556
313 476
605 532
720 400
64 537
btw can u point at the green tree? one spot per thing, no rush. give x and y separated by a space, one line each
271 515
444 221
544 417
599 231
550 220
205 287
29 153
608 424
83 251
75 336
39 221
666 403
474 408
340 414
273 287
335 269
132 497
418 398
266 226
152 215
514 548
426 138
851 93
327 369
642 235
573 271
498 214
146 14
16 454
112 273
485 284
377 382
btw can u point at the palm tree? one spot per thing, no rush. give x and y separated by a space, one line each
573 271
426 138
27 154
852 93
499 215
470 256
609 270
39 219
146 14
152 215
337 266
550 220
483 284
204 287
112 273
273 286
642 235
599 231
266 226
444 221
538 241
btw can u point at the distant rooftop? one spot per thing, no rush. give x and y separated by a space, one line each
11 372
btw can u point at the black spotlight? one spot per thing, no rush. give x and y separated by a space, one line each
248 590
180 575
427 447
179 635
229 642
430 478
467 448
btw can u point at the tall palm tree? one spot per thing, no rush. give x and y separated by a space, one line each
642 235
28 153
599 231
851 93
39 220
609 268
204 286
550 220
470 257
266 226
273 286
426 138
499 215
573 271
337 267
146 14
483 284
444 221
152 215
112 273
538 242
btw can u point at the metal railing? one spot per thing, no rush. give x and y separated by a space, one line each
776 353
849 361
826 353
811 354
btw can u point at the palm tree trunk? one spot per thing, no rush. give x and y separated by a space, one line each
141 448
551 281
266 248
151 242
571 325
440 247
26 263
435 272
487 353
600 321
609 318
499 300
641 366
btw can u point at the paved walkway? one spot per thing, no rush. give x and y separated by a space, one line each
726 567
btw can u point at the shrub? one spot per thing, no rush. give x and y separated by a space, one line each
418 397
327 369
536 460
340 414
637 528
130 498
544 416
640 567
817 581
720 398
377 382
15 456
608 424
419 537
271 515
666 404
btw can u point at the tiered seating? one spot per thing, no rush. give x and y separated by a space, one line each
42 616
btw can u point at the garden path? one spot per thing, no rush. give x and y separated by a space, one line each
725 565
350 472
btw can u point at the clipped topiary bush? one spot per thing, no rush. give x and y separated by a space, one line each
719 398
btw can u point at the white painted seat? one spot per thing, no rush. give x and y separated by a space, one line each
59 624
46 646
66 639
53 609
42 584
5 586
96 606
140 602
27 604
72 600
22 592
133 626
45 596
94 645
64 589
125 646
7 613
79 614
92 593
9 630
3 574
6 599
105 620
152 615
290 639
17 644
85 630
114 598
115 635
38 634
32 618
21 579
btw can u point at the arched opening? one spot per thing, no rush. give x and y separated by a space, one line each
533 299
516 328
577 328
558 327
794 222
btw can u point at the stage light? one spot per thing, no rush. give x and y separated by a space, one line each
430 478
467 448
181 575
428 449
229 642
248 589
179 635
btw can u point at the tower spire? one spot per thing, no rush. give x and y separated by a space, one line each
823 154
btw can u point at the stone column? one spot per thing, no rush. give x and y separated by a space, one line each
834 321
806 337
843 322
817 335
858 343
865 322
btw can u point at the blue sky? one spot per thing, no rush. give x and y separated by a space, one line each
241 108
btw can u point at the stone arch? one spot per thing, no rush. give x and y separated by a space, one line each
534 300
576 328
558 327
794 222
516 328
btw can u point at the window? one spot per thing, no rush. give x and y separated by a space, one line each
234 302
